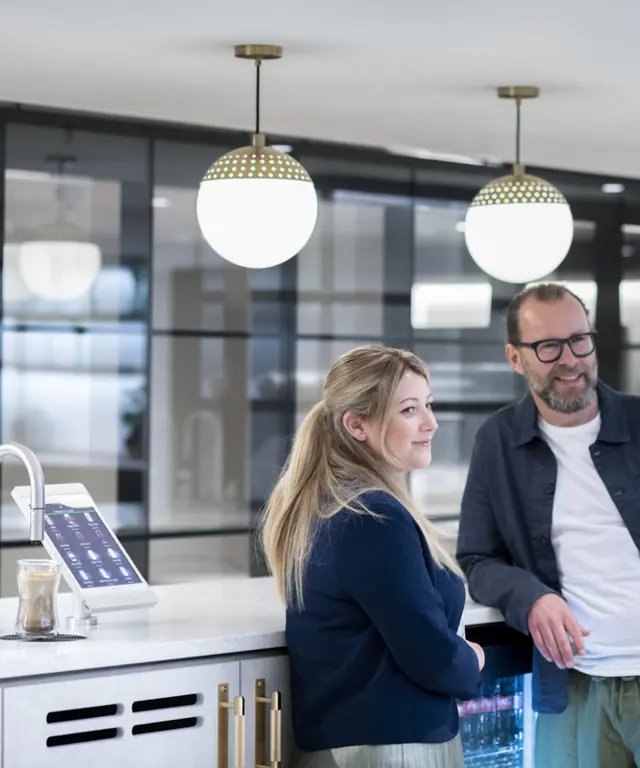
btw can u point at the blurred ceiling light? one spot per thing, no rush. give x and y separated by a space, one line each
629 292
613 188
427 154
374 198
581 225
161 202
451 305
18 174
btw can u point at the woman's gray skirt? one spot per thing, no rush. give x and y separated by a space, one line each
447 755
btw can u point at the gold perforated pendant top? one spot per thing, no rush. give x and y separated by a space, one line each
518 188
256 163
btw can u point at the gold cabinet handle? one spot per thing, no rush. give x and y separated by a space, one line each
274 702
237 706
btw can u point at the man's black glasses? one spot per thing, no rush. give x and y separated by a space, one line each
550 350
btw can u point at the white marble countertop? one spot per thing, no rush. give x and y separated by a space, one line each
223 616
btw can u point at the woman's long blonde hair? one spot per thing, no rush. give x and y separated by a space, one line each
327 468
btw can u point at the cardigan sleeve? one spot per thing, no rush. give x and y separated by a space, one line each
382 567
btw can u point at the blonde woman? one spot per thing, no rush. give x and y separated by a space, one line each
373 600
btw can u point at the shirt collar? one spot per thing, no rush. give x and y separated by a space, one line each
613 428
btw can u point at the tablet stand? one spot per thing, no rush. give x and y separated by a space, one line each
82 620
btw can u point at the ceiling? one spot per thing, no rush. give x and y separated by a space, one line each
402 74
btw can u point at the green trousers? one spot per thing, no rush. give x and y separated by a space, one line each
599 729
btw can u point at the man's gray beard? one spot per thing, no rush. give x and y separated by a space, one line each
563 403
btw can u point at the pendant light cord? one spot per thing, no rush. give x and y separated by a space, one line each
258 62
518 104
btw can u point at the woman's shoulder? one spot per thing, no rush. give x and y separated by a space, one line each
381 502
370 510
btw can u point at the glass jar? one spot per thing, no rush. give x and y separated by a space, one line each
38 582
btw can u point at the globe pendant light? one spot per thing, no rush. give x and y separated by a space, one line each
518 228
59 263
257 207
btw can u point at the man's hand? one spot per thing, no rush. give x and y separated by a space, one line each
551 623
479 653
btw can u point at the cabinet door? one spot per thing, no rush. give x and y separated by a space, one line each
164 717
260 678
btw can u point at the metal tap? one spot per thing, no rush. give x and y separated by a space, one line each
36 483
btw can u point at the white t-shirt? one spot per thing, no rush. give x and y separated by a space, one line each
599 563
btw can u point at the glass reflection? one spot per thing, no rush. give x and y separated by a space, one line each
74 314
451 305
341 277
200 451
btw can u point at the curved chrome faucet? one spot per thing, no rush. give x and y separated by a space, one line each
36 483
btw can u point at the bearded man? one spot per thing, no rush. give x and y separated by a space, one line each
550 533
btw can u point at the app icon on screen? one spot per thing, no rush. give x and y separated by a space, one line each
124 571
92 555
48 519
59 536
85 575
71 556
113 554
80 536
105 573
88 516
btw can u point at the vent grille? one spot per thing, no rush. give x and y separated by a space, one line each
81 738
167 702
167 709
166 725
83 713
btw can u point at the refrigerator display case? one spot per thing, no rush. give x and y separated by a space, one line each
497 728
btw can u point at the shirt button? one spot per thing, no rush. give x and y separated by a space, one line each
549 489
597 452
619 492
545 538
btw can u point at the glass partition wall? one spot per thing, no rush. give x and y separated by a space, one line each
170 382
74 324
